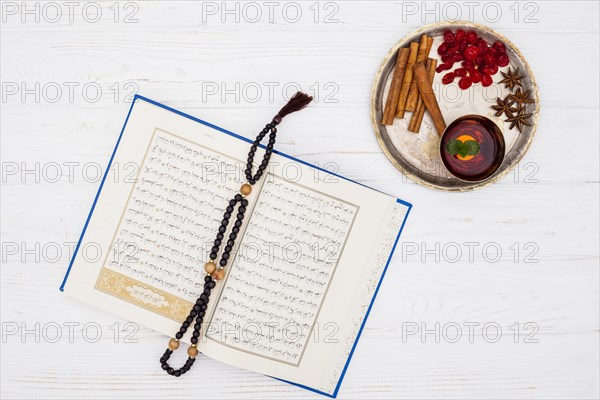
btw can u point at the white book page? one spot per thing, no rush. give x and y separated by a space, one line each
279 280
168 225
312 250
302 280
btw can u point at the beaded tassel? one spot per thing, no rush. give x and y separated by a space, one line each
216 272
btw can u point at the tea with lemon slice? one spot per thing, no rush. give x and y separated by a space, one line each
472 148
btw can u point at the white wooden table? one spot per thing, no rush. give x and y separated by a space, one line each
518 258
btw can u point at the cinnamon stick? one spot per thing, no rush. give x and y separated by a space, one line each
408 74
389 112
422 54
426 90
417 117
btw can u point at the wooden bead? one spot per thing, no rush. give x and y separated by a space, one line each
173 344
218 274
192 351
246 189
210 267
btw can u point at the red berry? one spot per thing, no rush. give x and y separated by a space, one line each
463 45
471 53
460 35
449 37
440 68
467 64
449 64
492 51
475 76
486 80
447 57
500 47
443 49
489 59
457 57
460 72
464 83
490 69
502 60
482 44
471 37
448 78
452 50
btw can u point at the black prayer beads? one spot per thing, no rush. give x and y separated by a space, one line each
216 273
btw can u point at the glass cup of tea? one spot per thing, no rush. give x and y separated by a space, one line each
472 148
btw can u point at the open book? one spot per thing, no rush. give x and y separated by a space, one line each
305 270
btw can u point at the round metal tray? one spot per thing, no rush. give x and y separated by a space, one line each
417 154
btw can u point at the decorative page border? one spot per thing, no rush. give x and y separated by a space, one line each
143 295
388 240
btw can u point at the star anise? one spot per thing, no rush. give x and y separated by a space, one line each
504 107
512 79
521 97
520 119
